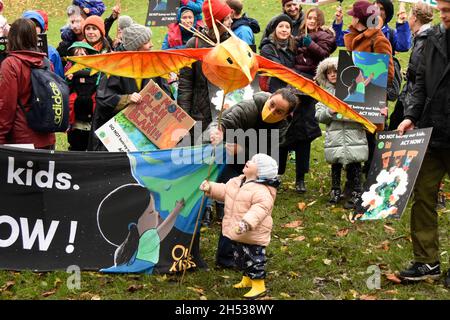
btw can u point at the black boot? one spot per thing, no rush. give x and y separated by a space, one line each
354 178
300 187
207 217
335 194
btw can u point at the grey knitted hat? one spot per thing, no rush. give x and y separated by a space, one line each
124 22
134 36
267 166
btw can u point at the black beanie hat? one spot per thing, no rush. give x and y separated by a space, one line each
280 18
388 8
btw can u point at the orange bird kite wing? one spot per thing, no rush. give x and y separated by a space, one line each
139 64
310 88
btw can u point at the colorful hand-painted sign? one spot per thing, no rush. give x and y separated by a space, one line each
393 172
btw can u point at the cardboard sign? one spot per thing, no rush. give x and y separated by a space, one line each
161 12
120 135
159 118
361 82
393 173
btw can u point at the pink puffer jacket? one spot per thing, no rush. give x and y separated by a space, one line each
252 202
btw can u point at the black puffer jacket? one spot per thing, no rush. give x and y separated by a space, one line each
430 100
285 57
414 60
193 92
247 115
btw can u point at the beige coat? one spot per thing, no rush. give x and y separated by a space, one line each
253 203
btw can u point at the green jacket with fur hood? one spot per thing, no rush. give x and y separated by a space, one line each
345 140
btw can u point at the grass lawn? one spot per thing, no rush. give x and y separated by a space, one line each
319 255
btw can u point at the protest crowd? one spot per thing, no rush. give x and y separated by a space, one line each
300 38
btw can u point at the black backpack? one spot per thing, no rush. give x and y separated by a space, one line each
49 110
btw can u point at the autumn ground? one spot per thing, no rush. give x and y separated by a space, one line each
315 253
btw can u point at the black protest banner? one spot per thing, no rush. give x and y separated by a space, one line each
113 212
161 12
393 172
361 82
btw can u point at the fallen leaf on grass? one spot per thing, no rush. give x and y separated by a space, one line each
203 298
343 232
135 287
8 285
311 203
161 278
384 245
226 277
327 261
367 297
293 224
48 293
354 293
57 282
299 238
393 278
302 206
389 229
391 292
317 239
284 295
197 290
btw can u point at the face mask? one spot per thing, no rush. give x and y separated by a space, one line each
268 117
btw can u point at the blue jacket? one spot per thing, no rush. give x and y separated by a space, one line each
245 28
400 39
96 7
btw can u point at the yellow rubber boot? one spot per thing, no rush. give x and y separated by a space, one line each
258 289
245 283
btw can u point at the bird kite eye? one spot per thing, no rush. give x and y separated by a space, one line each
229 60
249 54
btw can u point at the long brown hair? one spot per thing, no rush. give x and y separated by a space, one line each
22 36
320 19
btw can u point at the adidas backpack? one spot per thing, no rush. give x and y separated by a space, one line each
49 110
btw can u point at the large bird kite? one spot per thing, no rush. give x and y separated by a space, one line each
229 65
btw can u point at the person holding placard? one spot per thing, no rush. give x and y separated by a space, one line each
429 107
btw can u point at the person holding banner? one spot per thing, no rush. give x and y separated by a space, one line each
429 106
400 38
420 21
15 85
368 39
116 93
